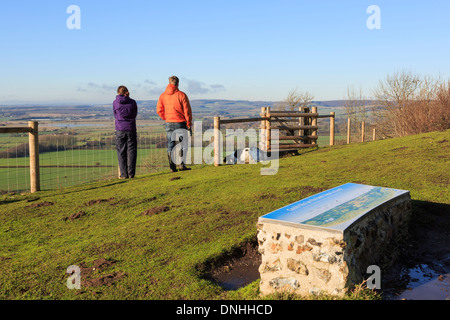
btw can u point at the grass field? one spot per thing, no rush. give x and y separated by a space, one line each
209 211
72 167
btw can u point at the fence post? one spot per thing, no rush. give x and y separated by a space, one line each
373 134
301 122
348 130
307 122
263 129
217 141
33 138
331 128
268 130
363 127
314 123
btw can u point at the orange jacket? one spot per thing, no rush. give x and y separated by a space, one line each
173 106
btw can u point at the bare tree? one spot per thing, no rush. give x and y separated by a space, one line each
356 106
410 104
295 99
442 112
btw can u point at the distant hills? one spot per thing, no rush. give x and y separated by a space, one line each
209 107
203 108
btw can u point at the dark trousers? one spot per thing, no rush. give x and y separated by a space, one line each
180 129
126 145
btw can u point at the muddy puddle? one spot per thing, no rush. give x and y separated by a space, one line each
426 281
236 269
437 288
423 270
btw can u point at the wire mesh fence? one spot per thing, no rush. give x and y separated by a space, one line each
74 155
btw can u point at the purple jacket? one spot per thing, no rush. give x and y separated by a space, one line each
125 112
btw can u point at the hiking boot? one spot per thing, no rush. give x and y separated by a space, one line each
182 167
172 165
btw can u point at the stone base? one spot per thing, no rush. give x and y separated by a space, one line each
306 260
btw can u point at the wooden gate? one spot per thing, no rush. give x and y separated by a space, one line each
299 127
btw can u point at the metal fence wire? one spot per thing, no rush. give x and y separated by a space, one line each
75 156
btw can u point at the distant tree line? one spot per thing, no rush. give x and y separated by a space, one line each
47 143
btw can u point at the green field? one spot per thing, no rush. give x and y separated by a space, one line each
208 211
71 167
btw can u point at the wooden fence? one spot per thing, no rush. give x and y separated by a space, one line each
363 130
33 136
300 127
297 126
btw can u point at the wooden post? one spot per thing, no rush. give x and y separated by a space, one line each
263 129
331 128
348 130
217 142
314 123
373 134
268 130
33 138
363 127
301 122
307 122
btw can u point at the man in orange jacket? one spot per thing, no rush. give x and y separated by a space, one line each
173 107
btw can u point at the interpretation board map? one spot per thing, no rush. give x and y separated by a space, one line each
336 208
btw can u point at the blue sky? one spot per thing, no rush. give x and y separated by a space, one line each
250 50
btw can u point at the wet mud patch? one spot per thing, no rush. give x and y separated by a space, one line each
235 269
154 211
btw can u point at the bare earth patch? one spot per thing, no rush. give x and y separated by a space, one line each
97 201
75 216
41 204
87 272
155 210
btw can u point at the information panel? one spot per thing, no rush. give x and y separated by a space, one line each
336 208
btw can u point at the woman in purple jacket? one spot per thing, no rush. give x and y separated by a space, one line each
125 112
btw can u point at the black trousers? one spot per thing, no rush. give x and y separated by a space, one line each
126 144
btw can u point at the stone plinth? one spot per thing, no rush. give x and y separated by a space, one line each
324 243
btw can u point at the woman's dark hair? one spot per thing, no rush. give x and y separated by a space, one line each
123 91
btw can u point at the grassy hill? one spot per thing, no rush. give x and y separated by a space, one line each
146 237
